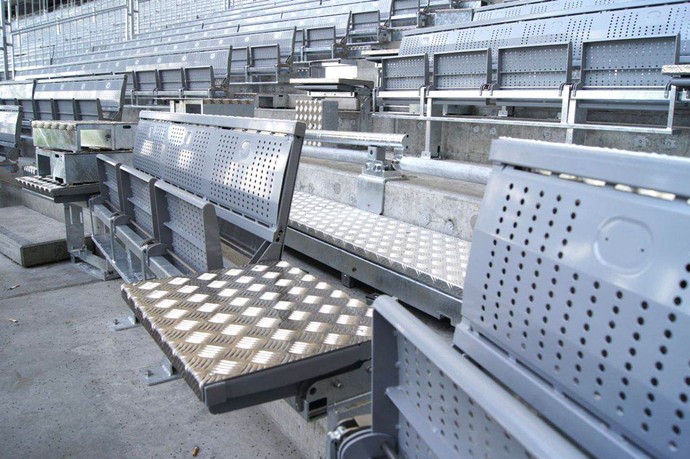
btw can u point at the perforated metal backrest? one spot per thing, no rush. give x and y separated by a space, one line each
65 109
137 196
171 79
437 404
10 126
238 61
109 181
88 110
188 225
146 80
264 57
462 69
246 167
404 7
45 110
629 63
619 24
366 21
581 273
534 66
110 89
198 78
320 37
404 73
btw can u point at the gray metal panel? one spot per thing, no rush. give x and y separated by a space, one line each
364 27
462 69
17 90
108 89
237 333
251 174
137 199
436 403
198 78
534 66
171 79
630 63
639 22
188 225
585 283
109 181
404 72
427 256
10 126
238 61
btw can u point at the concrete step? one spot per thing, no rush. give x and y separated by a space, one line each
29 238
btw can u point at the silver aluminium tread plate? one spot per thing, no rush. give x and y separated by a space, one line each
223 325
54 189
431 257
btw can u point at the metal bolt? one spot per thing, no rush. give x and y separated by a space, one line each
148 373
337 384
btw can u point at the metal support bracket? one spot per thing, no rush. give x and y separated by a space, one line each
161 373
125 323
316 397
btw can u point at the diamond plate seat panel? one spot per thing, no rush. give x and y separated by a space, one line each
54 189
221 328
580 274
428 256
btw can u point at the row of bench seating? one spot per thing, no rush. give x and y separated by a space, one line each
86 98
616 70
265 326
314 34
220 328
562 308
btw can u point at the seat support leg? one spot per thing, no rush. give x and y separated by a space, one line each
161 373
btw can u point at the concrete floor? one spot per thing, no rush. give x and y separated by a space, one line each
69 387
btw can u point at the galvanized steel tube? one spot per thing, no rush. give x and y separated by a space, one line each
361 139
446 169
335 154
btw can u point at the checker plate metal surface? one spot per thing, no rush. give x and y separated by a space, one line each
227 324
588 287
54 189
428 256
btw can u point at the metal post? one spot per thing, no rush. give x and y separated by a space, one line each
3 25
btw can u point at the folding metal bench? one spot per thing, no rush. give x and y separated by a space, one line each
404 81
429 401
319 43
365 28
10 131
574 312
404 14
627 73
576 292
259 332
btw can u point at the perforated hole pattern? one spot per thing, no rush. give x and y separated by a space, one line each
463 70
140 198
187 232
238 170
609 63
462 424
110 182
541 283
404 73
659 20
534 67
